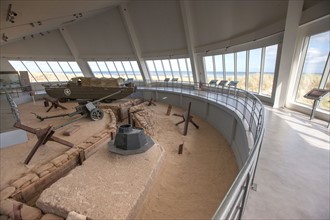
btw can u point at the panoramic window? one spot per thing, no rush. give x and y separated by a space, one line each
48 71
123 69
314 73
233 66
172 68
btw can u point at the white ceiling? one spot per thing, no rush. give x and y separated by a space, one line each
51 13
158 24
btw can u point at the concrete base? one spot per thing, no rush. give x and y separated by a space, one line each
106 186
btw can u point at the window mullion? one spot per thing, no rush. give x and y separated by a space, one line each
262 66
187 69
214 69
41 71
99 68
171 68
224 67
325 73
71 69
106 65
247 70
235 66
53 71
153 62
132 69
114 64
63 71
124 69
179 69
29 71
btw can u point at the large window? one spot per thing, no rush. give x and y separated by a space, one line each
314 68
172 68
48 71
253 69
123 69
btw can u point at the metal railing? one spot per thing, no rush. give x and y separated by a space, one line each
251 111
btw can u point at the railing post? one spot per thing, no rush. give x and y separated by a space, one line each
244 196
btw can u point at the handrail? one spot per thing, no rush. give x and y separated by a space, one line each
249 109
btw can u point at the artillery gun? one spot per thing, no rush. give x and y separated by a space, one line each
84 109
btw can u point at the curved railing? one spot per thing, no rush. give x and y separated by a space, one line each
251 111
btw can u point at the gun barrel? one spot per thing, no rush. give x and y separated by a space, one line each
108 96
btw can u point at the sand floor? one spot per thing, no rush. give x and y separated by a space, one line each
12 158
190 185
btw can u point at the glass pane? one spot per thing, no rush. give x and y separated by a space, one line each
74 66
95 69
208 63
269 70
325 101
184 70
128 69
241 69
136 70
160 70
230 71
254 70
35 71
104 69
120 69
112 69
314 64
175 69
218 67
58 71
67 69
43 66
167 68
18 66
152 70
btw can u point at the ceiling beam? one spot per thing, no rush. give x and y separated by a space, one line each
75 52
188 29
134 41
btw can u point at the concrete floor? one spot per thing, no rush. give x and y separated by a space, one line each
293 171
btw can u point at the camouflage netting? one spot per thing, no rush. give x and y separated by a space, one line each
100 82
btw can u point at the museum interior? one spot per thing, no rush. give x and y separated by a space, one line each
167 109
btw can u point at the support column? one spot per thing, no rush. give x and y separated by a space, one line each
187 24
134 42
72 47
289 42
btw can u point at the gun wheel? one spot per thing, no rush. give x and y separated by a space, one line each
96 114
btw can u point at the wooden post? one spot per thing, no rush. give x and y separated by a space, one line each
180 149
169 109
